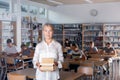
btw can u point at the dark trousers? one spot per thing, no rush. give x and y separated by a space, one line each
73 67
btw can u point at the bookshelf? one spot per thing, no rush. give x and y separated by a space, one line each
93 32
82 34
31 32
58 33
7 31
112 34
73 32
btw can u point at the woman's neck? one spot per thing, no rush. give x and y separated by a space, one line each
48 41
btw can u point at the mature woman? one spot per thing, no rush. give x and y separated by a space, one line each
48 48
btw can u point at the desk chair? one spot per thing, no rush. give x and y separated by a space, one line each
15 76
87 71
3 68
13 65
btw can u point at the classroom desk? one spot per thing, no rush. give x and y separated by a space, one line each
29 72
24 58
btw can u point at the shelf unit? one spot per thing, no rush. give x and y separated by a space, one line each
73 32
58 33
82 34
112 34
7 31
93 32
31 32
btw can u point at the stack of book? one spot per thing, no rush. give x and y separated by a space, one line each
47 64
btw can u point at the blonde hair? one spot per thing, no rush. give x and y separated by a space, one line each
48 25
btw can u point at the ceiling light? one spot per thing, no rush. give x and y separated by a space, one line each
55 2
89 1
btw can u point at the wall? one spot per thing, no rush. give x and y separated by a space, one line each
28 2
107 12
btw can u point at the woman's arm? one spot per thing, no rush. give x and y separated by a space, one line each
60 56
36 57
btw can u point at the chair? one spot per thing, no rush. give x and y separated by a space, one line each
15 76
13 65
3 68
66 75
87 71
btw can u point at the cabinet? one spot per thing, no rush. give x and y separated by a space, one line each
31 32
7 31
112 34
93 32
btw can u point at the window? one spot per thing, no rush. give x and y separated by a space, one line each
4 9
24 8
4 5
33 10
42 12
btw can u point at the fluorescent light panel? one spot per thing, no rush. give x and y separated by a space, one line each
89 1
55 2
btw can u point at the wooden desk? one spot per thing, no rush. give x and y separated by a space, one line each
24 57
75 76
29 72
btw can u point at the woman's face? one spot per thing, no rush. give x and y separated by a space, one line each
48 32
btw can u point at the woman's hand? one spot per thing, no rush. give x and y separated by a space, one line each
38 64
55 63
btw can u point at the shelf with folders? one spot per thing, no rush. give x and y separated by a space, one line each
112 34
58 33
31 32
7 31
73 32
93 32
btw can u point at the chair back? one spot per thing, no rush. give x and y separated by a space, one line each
87 63
3 68
10 60
11 76
85 70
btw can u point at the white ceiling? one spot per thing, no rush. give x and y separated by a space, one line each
68 2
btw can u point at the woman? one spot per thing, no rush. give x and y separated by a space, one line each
48 48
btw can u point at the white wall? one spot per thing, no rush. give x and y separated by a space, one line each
107 12
28 2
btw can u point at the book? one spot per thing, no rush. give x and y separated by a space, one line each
47 64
